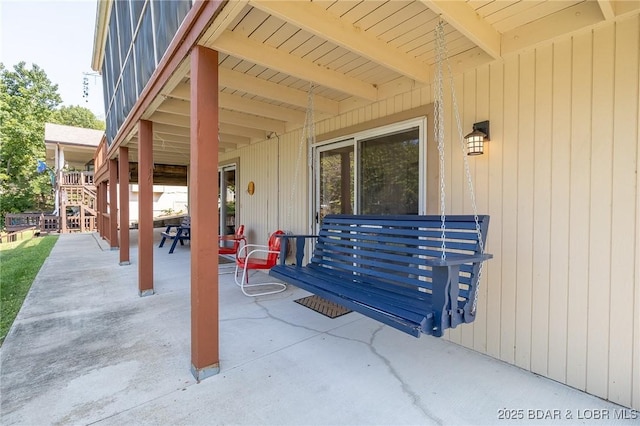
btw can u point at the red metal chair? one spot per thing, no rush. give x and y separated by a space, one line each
246 259
237 238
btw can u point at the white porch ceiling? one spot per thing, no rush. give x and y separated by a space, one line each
354 52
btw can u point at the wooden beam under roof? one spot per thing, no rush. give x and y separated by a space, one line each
163 174
177 144
563 22
464 19
170 129
235 140
606 7
180 110
252 121
317 20
171 119
161 157
233 129
171 123
244 48
266 89
239 103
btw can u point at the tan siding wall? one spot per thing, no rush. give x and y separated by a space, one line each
559 179
277 203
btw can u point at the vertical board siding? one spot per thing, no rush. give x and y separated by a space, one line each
625 167
481 181
495 158
525 206
579 210
510 212
635 402
600 220
559 178
541 241
560 190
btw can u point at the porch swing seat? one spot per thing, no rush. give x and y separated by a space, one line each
391 268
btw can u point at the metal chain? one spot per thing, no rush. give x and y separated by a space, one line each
438 127
442 55
308 130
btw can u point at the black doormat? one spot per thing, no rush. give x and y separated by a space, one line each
323 306
223 260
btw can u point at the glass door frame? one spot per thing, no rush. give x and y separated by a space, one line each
353 140
222 187
318 149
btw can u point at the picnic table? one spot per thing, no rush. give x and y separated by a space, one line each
182 232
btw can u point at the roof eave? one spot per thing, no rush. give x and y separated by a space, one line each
103 11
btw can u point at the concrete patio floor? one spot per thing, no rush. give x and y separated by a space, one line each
86 349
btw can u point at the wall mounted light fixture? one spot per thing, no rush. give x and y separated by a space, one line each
475 140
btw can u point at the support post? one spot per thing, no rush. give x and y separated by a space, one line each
103 208
123 182
203 207
145 208
102 191
113 204
99 208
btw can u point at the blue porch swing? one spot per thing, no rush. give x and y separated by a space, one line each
419 274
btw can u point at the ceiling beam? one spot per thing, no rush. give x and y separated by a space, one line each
175 106
230 11
252 121
235 140
170 130
238 103
267 89
560 23
233 129
242 47
606 7
161 145
464 19
317 20
235 134
260 87
170 119
171 123
180 108
173 158
250 106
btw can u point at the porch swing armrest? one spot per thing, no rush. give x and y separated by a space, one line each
457 259
300 245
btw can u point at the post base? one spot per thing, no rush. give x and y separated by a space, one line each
203 373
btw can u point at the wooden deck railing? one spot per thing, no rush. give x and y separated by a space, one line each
80 196
44 222
74 223
76 178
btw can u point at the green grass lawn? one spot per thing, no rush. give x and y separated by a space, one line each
20 262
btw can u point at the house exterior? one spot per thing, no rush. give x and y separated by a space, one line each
69 155
223 86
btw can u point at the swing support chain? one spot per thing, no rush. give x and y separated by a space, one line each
307 133
442 57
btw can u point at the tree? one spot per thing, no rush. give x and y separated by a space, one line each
77 116
27 99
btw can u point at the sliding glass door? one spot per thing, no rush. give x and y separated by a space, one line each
227 199
376 172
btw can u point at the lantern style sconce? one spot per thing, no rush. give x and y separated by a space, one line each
475 140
